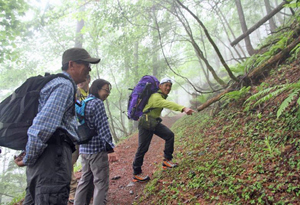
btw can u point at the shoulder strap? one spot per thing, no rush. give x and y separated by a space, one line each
88 99
81 117
74 88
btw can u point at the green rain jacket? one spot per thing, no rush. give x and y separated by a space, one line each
158 101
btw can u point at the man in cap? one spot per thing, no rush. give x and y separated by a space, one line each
48 154
156 103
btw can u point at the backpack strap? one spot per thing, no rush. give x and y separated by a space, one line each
52 76
82 118
149 110
152 108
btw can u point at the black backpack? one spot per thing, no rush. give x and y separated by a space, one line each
19 109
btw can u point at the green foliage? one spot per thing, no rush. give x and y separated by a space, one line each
272 92
77 167
236 95
242 165
288 100
295 52
294 4
11 26
238 69
17 198
12 181
281 43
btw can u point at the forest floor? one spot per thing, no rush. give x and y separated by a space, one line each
121 188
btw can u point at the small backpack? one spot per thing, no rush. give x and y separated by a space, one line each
140 95
85 134
19 109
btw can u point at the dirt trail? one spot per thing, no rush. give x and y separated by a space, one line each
123 190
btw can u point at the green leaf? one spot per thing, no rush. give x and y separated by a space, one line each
287 101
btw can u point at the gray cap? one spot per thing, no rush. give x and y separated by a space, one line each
78 54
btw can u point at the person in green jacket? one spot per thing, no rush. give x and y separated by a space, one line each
156 103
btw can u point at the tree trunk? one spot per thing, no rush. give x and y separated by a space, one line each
271 20
155 66
198 51
258 24
212 100
113 132
278 58
244 27
211 41
136 61
79 26
136 75
79 37
279 15
265 67
225 23
232 33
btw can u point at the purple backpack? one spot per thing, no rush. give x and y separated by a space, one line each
140 95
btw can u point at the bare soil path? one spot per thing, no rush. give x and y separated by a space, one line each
123 190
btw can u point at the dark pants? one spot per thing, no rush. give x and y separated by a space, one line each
48 180
145 137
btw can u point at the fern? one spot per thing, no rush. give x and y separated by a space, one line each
287 102
280 45
295 51
262 93
237 94
267 94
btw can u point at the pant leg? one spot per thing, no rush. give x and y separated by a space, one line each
28 199
84 182
100 169
48 180
145 137
90 191
73 184
165 133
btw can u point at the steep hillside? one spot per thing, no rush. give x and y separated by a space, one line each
229 155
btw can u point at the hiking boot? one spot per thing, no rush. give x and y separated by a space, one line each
140 178
169 164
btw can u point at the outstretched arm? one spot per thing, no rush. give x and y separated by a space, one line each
188 111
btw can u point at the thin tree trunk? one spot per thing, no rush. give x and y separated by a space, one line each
79 37
200 54
279 15
232 33
136 74
225 22
271 20
212 100
154 53
244 27
258 24
114 135
79 26
211 41
278 58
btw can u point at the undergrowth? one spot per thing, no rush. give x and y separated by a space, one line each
246 153
235 158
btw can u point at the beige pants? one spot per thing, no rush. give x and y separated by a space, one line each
94 167
73 184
